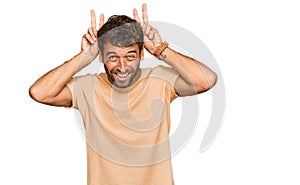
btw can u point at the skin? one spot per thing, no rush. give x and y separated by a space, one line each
122 64
194 76
122 70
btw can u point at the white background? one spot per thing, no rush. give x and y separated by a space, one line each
256 44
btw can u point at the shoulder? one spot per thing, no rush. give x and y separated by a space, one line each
163 72
85 77
83 80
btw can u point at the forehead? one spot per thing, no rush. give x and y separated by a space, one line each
109 48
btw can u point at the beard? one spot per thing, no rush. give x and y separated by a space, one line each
122 79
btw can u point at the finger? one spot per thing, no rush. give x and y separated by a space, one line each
89 38
136 16
152 32
147 29
93 19
91 31
101 20
144 13
157 37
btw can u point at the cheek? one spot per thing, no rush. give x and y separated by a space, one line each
134 64
110 65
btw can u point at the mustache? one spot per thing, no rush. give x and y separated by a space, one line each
128 70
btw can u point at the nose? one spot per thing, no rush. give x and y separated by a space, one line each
122 65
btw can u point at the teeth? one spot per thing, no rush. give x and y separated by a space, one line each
122 75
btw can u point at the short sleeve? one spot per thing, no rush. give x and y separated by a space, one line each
70 85
80 87
166 73
169 75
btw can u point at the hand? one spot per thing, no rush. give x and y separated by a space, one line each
152 38
89 42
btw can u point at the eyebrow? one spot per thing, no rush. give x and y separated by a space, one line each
132 51
112 52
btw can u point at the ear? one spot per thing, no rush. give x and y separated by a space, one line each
100 57
142 53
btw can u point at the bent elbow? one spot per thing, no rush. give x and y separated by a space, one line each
34 94
210 81
213 80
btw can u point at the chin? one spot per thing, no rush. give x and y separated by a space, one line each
121 85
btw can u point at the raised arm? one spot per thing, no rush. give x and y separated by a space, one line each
194 76
51 88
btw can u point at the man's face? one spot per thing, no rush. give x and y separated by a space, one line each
122 64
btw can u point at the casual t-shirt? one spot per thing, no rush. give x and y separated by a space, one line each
127 129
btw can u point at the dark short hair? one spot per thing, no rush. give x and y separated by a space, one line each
120 30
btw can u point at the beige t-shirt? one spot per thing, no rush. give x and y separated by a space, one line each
127 129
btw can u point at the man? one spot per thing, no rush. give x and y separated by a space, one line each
126 109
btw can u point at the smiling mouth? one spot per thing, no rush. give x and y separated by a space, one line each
122 76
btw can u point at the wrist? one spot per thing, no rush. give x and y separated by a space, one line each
86 56
163 54
84 59
159 50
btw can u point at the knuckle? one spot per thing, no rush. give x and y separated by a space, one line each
87 36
